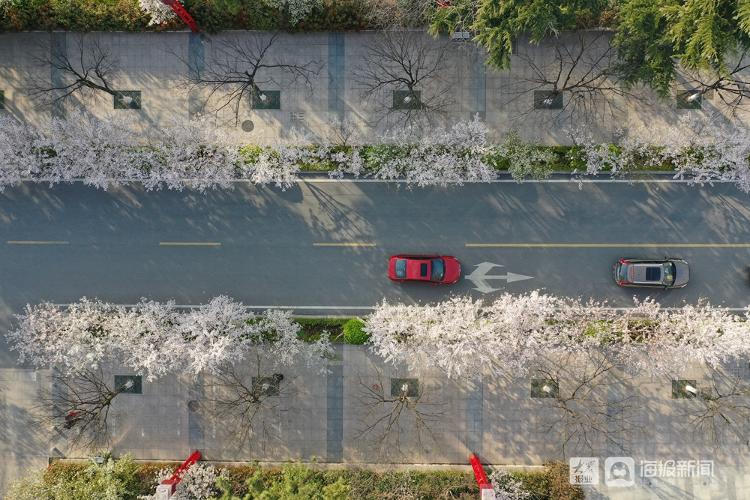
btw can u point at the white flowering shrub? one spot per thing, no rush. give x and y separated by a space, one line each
699 152
509 335
155 339
197 154
506 486
297 9
160 12
524 160
442 157
198 483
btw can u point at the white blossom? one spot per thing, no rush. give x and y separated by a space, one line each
160 12
509 335
297 9
198 482
156 339
506 486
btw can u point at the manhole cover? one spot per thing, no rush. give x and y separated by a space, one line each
248 125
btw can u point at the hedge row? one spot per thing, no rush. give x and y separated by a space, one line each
211 16
550 483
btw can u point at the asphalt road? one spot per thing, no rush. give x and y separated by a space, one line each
262 245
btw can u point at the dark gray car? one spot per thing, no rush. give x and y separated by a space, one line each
652 273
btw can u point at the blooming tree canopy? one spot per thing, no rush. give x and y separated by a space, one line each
509 335
160 12
157 339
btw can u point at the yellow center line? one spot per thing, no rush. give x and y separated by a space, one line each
189 244
607 245
37 242
344 244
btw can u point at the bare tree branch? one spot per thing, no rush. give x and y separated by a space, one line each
582 74
390 417
78 406
250 404
732 88
590 408
405 61
88 70
721 409
242 68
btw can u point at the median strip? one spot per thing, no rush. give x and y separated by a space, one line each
607 245
189 244
37 242
344 244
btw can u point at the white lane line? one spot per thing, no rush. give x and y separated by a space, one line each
370 308
189 244
37 242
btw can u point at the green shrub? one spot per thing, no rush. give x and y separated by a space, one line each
312 328
81 481
354 332
559 483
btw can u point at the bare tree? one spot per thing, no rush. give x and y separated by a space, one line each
589 406
250 404
78 406
579 82
731 87
390 418
244 66
402 74
720 409
89 70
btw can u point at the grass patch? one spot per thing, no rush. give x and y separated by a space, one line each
312 328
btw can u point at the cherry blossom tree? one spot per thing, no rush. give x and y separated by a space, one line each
441 157
462 336
701 151
155 339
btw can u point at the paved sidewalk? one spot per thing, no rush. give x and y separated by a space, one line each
155 63
326 416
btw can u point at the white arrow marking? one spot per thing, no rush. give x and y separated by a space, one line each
480 277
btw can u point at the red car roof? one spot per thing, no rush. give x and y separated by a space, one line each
414 269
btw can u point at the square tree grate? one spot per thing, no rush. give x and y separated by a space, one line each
689 99
267 99
267 386
129 384
127 99
544 388
548 99
407 99
409 386
684 389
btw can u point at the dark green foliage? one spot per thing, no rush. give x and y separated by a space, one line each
498 24
354 332
313 327
211 15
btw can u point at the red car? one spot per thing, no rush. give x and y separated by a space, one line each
442 269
